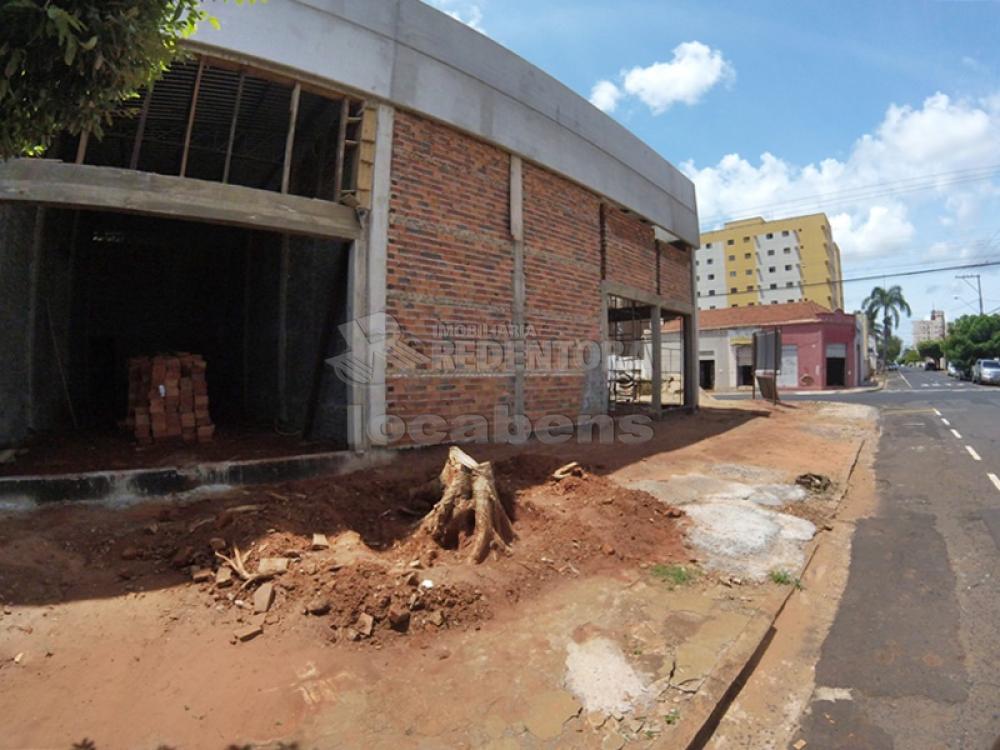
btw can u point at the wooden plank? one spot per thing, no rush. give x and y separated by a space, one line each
232 126
50 182
140 130
293 115
338 171
191 113
81 147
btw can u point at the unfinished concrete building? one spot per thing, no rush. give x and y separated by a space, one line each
334 203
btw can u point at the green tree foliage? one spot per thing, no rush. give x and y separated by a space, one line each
889 303
931 350
69 64
973 337
893 348
911 357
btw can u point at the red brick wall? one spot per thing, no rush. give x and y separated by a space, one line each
631 252
675 273
449 260
562 264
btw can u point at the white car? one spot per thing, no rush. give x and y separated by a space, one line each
986 371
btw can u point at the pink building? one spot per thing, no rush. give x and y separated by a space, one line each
820 349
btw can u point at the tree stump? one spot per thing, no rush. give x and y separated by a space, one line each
469 508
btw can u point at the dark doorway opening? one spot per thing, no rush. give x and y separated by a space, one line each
836 372
744 375
706 374
115 286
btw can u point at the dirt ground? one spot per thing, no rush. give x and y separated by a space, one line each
380 638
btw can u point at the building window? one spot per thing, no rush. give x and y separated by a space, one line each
708 245
732 257
746 239
711 307
732 274
730 242
788 251
771 269
711 292
749 272
709 261
749 287
790 284
774 302
711 277
733 290
788 267
770 252
770 235
774 286
697 278
747 256
784 233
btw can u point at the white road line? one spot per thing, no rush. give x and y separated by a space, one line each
972 452
925 385
945 422
956 433
937 412
995 479
905 381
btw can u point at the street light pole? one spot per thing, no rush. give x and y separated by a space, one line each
978 287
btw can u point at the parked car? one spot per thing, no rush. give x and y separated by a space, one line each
952 370
930 365
986 371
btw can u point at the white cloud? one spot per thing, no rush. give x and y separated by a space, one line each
469 13
694 70
605 96
919 161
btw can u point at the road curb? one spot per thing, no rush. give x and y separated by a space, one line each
734 668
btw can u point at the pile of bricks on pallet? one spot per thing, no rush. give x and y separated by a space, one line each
168 398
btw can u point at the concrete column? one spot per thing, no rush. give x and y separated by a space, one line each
691 385
518 282
655 318
369 277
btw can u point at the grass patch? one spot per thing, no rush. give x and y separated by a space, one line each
673 717
678 575
784 578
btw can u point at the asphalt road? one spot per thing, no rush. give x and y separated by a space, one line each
913 658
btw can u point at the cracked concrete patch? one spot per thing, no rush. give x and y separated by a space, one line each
743 539
549 711
600 676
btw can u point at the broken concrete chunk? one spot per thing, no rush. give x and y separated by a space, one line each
252 630
365 624
201 575
223 577
272 565
319 541
263 597
411 579
436 618
799 744
318 606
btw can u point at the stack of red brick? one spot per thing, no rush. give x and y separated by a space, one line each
168 398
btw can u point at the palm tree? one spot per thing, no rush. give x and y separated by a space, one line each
888 303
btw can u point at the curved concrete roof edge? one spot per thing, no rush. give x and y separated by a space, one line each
418 58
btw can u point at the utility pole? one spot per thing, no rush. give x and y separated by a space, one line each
978 287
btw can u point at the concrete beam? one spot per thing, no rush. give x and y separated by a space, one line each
53 183
667 303
417 58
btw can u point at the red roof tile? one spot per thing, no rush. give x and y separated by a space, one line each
761 315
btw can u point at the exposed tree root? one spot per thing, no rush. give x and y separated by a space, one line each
469 507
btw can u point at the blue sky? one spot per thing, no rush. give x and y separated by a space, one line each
884 114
